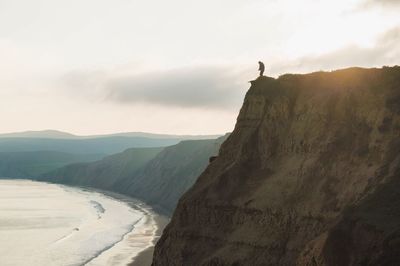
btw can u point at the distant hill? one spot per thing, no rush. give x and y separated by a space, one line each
53 140
44 134
104 145
156 136
33 164
103 173
55 134
158 176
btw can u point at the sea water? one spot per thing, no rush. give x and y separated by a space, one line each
48 224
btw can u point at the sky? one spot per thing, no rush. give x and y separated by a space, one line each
177 66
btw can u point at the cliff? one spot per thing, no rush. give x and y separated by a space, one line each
309 176
164 179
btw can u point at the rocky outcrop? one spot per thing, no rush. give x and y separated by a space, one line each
309 176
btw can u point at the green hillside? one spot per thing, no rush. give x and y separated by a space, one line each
103 145
158 176
103 173
163 180
35 163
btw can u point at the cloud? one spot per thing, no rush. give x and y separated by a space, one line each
384 3
209 87
193 87
385 51
216 87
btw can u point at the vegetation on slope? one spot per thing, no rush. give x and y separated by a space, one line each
158 176
35 163
102 145
163 180
103 173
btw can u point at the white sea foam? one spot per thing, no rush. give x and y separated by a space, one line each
46 224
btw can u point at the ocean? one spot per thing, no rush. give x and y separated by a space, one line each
49 224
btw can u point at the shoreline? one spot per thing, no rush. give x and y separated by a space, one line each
144 257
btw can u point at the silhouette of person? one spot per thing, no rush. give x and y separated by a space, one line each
261 68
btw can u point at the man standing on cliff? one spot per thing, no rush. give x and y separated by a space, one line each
261 68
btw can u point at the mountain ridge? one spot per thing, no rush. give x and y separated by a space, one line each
56 134
106 145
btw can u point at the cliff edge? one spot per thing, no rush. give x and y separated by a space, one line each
309 176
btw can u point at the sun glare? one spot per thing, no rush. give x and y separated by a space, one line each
325 27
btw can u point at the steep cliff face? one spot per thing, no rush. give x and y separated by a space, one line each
309 176
163 180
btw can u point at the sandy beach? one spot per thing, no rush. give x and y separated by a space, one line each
145 257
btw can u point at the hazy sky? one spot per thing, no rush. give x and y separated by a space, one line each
177 66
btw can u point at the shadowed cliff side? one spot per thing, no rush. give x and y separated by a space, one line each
309 176
165 178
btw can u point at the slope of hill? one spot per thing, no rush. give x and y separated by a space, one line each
309 176
106 145
156 136
104 173
55 134
155 175
34 164
163 180
42 134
